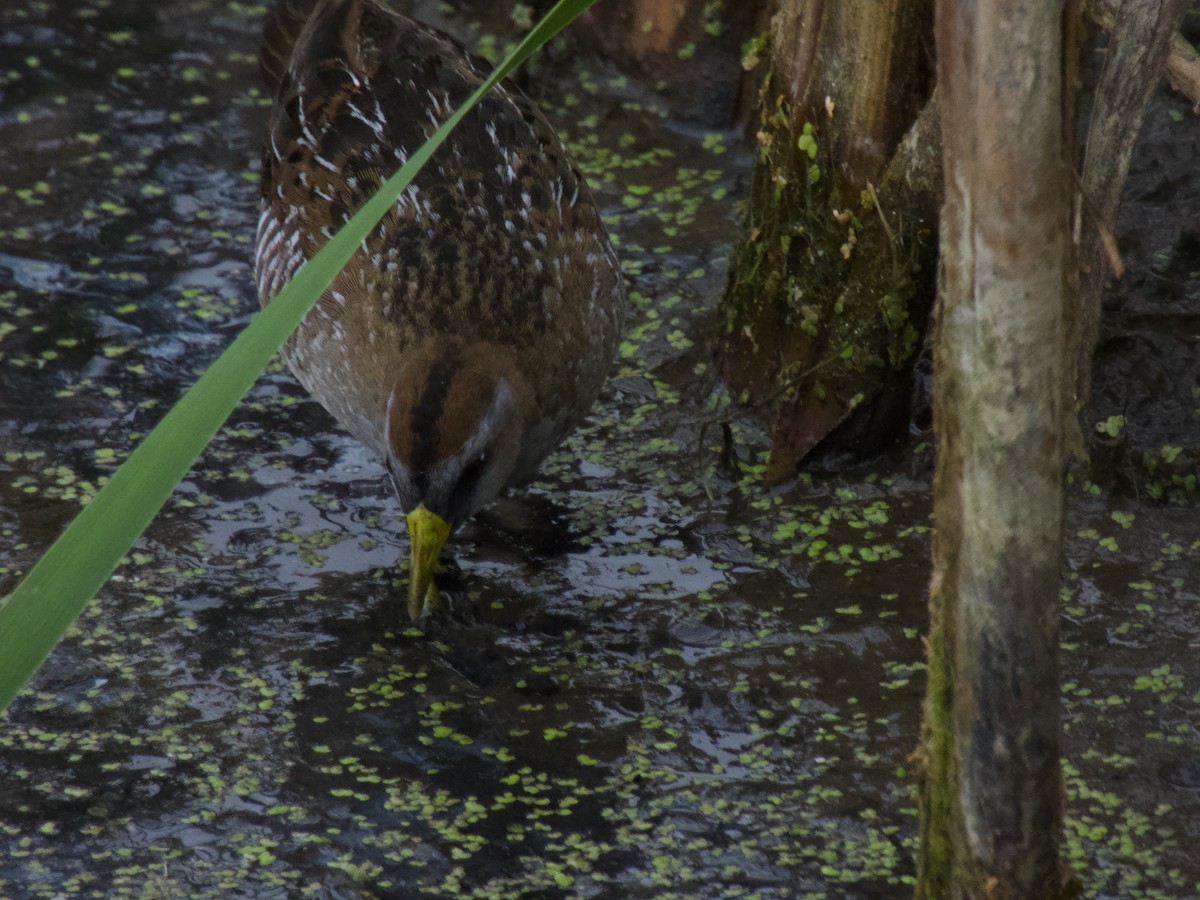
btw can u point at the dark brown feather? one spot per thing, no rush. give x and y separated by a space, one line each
498 240
283 26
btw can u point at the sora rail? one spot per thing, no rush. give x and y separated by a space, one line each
475 327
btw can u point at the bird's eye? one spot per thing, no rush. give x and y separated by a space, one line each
468 483
473 469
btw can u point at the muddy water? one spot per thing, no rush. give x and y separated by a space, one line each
656 680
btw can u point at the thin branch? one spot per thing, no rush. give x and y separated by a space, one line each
1183 63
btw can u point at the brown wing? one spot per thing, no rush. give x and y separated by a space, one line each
284 23
467 247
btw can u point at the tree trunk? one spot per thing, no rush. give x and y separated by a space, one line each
825 307
991 790
1141 38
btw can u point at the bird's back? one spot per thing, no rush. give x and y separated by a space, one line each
497 240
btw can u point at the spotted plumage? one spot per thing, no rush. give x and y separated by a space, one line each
476 325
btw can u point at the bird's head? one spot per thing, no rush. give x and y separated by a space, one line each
456 420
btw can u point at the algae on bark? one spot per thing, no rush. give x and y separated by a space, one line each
830 286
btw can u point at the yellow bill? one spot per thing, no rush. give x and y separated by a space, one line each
427 531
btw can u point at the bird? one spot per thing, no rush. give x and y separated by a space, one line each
476 325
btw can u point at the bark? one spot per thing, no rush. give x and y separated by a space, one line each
1183 70
1183 63
991 789
1141 37
824 307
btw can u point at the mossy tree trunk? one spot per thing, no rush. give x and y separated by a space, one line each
829 288
991 792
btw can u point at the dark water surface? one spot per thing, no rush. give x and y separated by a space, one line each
657 680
